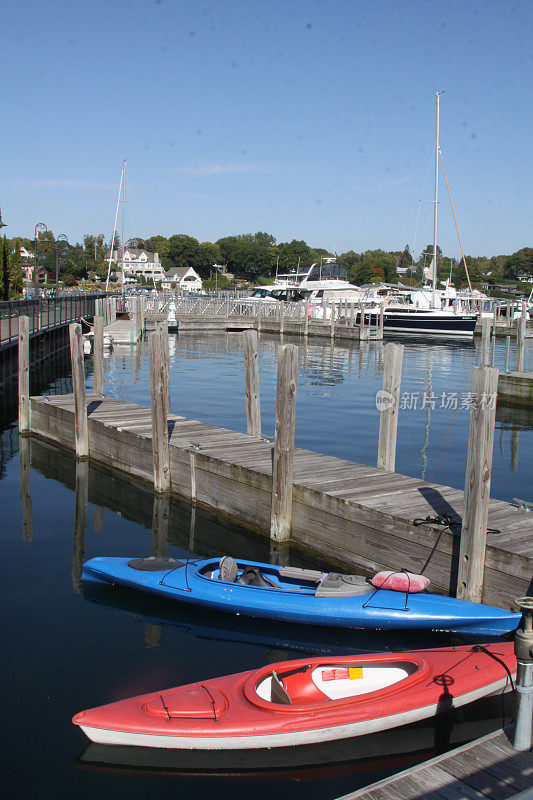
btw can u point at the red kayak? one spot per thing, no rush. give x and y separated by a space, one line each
305 701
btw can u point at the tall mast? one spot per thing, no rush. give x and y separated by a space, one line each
435 265
123 206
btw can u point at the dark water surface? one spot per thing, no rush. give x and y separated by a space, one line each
65 650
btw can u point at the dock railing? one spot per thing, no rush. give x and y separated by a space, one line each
43 313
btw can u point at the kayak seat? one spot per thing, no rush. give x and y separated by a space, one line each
251 576
337 585
228 570
278 693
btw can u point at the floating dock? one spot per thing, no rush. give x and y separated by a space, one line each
488 767
359 516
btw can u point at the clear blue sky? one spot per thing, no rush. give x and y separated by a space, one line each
310 120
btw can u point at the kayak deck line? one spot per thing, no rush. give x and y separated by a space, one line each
356 515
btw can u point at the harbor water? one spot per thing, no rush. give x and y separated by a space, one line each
67 649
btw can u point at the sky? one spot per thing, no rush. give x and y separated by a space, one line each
308 120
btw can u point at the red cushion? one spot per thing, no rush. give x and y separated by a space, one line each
400 581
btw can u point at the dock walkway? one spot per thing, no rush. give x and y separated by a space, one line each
360 516
486 768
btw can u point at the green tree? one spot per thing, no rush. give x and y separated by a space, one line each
183 251
157 244
293 253
4 270
211 254
15 273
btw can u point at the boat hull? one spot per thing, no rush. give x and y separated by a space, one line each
297 602
232 714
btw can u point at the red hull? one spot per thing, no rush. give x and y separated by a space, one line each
228 713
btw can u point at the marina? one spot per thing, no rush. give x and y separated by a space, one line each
342 378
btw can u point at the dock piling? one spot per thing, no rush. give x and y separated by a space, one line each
160 448
98 355
24 374
477 484
390 404
160 525
81 431
251 383
282 471
521 339
161 330
485 341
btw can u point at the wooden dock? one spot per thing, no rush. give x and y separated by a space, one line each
359 516
486 768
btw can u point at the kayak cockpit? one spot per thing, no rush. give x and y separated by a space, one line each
266 576
326 682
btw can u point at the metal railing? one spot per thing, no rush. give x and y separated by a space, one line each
44 313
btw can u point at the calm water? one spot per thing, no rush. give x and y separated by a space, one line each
66 650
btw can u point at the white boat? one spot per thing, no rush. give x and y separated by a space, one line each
88 342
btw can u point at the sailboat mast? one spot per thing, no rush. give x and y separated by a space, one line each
123 207
435 212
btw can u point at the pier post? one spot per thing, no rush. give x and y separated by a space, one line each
24 374
485 341
281 316
160 525
362 328
98 355
251 383
521 339
81 431
381 319
259 311
332 319
160 448
306 320
161 329
282 471
324 312
477 484
390 404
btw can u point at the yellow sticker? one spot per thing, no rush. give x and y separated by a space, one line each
355 672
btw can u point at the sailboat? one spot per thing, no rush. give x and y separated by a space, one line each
425 310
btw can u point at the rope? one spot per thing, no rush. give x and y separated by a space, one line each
454 219
480 648
447 521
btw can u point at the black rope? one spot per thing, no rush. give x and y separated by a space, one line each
448 522
376 590
480 648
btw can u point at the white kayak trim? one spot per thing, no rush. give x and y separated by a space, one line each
250 741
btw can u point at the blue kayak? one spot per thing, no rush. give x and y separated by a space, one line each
297 595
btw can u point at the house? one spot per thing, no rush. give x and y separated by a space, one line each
139 262
184 278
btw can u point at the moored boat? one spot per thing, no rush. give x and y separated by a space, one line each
302 702
292 594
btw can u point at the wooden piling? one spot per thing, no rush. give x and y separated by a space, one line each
282 472
390 404
160 525
98 355
251 383
381 319
332 320
81 431
24 374
477 484
362 326
161 329
324 312
485 341
521 339
306 320
281 316
160 448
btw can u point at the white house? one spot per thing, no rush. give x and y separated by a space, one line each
184 278
137 263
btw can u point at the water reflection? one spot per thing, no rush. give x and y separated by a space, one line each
25 496
81 500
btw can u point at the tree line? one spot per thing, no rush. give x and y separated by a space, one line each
256 256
